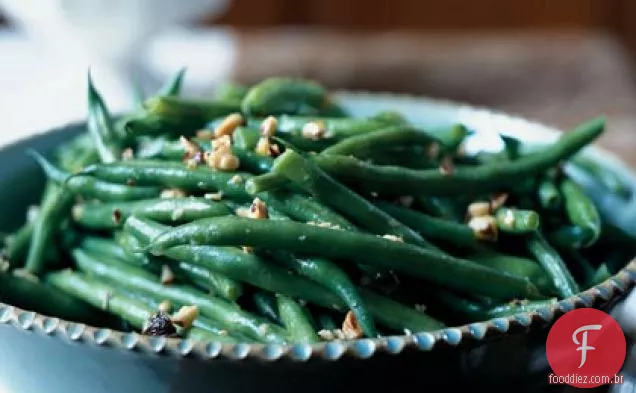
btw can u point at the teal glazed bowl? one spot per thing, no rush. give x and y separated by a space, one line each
41 354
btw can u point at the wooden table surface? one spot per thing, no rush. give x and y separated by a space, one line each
559 79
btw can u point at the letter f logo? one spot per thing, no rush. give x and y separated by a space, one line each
584 347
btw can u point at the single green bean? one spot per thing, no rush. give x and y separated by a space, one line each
440 207
279 95
295 321
434 228
231 91
482 178
265 304
101 127
109 215
552 264
337 244
17 245
581 212
365 145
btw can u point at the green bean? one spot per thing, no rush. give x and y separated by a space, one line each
101 296
335 128
549 195
102 245
517 220
552 264
295 321
451 138
245 138
52 211
413 157
516 266
101 128
269 181
390 117
266 305
608 179
307 176
32 295
329 275
434 228
205 335
225 313
218 284
251 269
90 187
481 312
17 245
172 87
230 91
482 178
363 146
189 111
440 207
130 246
111 215
253 162
581 212
337 244
279 95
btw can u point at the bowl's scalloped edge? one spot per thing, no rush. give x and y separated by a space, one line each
598 296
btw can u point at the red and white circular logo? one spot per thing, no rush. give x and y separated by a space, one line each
585 348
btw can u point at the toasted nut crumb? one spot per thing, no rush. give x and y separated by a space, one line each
167 276
222 144
177 214
242 212
326 334
215 196
393 238
117 216
173 193
323 224
228 162
258 209
407 332
339 334
130 182
350 326
159 324
432 151
446 166
223 332
236 179
269 126
420 307
205 134
228 125
190 148
498 201
263 147
274 150
263 328
127 154
185 316
374 194
4 265
314 130
406 201
32 212
484 227
22 273
478 209
191 164
247 249
165 306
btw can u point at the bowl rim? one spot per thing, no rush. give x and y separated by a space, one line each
599 295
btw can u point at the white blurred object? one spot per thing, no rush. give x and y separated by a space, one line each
106 34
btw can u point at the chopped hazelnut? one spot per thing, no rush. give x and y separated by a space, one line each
228 162
185 316
446 166
484 227
215 196
173 193
191 148
222 144
314 130
127 154
167 276
258 209
393 238
478 209
228 125
263 147
498 201
205 134
236 179
268 126
350 327
165 306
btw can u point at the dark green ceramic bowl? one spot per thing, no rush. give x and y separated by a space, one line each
40 354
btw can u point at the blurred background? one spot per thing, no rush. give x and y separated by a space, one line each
553 61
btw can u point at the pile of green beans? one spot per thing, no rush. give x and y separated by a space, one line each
269 214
